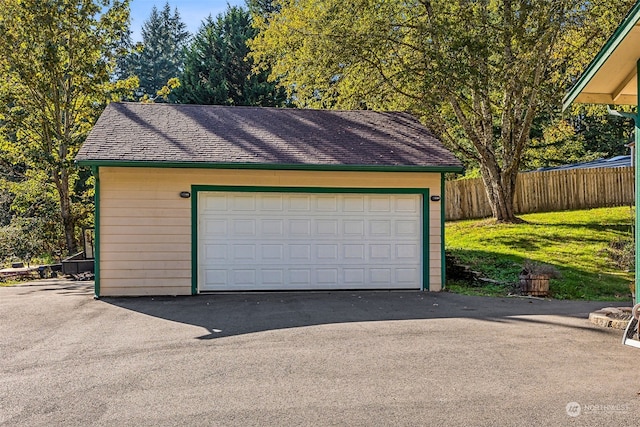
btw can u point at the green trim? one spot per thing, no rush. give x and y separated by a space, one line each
194 241
325 190
195 189
260 166
612 44
442 223
426 247
637 182
96 225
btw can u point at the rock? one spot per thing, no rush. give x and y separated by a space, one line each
611 317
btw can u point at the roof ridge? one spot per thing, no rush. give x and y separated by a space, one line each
146 104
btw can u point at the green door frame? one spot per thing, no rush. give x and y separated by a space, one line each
423 192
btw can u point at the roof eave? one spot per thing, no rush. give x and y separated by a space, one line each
614 41
271 166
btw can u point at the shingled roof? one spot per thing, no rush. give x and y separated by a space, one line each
253 136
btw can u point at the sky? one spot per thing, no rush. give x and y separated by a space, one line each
192 12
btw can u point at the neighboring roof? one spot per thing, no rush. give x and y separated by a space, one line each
199 135
614 162
611 78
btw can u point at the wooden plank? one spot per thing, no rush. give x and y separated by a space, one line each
159 265
108 291
127 239
140 232
154 220
146 274
546 191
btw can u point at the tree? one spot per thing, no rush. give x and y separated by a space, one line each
601 131
161 58
263 8
126 50
475 71
217 70
35 227
57 59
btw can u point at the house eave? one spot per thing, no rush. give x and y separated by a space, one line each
576 92
270 166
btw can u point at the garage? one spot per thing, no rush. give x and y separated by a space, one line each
304 241
201 198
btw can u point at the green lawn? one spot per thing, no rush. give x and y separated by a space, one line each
577 243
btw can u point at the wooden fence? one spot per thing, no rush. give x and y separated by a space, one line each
546 192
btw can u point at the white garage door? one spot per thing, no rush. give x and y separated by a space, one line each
297 241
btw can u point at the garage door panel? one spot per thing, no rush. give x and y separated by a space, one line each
353 204
216 227
380 204
244 252
354 276
273 277
216 203
272 227
407 275
406 204
353 227
215 252
407 227
380 227
354 251
216 277
272 203
327 204
379 275
407 251
380 251
299 227
273 252
327 227
273 241
243 203
327 276
327 252
300 203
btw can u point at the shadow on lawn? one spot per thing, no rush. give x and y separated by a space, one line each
242 313
575 283
624 227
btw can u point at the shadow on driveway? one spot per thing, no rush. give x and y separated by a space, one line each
236 314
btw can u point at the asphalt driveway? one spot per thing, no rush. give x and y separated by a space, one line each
326 358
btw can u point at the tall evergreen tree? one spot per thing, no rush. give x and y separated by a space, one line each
125 50
217 70
164 37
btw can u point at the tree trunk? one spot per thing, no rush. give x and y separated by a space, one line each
501 188
68 219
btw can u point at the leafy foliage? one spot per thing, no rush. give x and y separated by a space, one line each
35 227
601 131
57 59
475 71
556 144
217 70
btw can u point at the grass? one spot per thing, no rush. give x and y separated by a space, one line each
577 243
10 282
